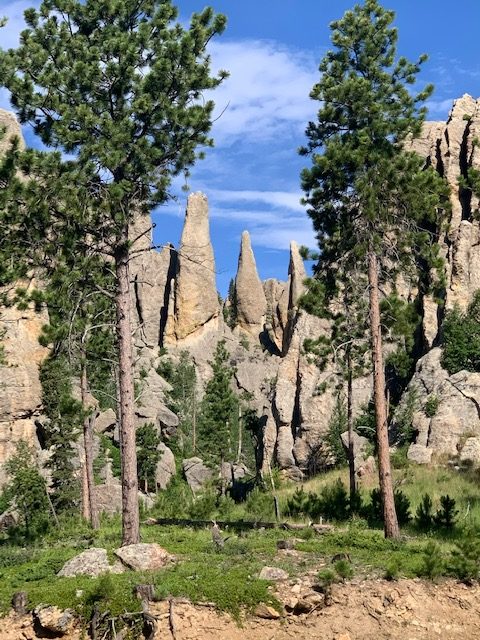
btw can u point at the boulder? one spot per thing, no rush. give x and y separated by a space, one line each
92 562
361 446
166 468
273 573
250 296
196 473
264 611
144 556
53 621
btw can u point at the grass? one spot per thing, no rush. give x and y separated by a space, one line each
228 577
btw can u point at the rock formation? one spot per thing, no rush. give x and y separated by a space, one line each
250 297
196 305
177 307
20 389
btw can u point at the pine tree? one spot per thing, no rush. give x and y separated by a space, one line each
118 85
27 490
218 420
372 204
148 455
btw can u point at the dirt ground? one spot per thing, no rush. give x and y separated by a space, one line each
367 610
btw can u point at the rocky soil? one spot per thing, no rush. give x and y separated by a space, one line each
360 610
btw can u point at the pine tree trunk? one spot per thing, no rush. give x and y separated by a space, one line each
384 468
89 490
128 453
351 451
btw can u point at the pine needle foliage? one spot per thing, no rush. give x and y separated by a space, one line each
376 208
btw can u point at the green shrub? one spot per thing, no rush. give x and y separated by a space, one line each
259 505
424 514
334 501
461 338
465 561
433 562
374 511
204 506
392 570
446 515
297 504
431 406
344 569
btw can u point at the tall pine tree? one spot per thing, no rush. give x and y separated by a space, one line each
372 204
118 84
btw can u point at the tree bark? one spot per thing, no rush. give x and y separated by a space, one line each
90 509
384 467
351 451
130 511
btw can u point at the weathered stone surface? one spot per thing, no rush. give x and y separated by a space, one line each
297 275
196 298
267 613
8 519
52 620
9 122
471 451
92 562
276 295
196 473
273 573
165 467
251 301
105 421
144 556
150 406
20 388
456 416
360 447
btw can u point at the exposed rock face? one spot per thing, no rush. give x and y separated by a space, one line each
9 122
446 411
451 148
251 301
20 388
52 621
196 303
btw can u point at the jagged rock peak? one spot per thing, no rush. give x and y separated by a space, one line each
251 301
196 298
9 122
297 275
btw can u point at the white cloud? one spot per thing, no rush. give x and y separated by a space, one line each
441 107
267 93
277 199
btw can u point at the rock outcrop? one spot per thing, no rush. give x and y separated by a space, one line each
444 411
250 297
196 305
20 389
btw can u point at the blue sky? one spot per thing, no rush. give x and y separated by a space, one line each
272 51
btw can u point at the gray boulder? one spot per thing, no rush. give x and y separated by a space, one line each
52 621
273 573
144 556
196 473
92 562
166 468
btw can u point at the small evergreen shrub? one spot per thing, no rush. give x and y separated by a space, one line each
424 514
446 515
465 561
344 569
392 570
374 511
431 406
433 562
